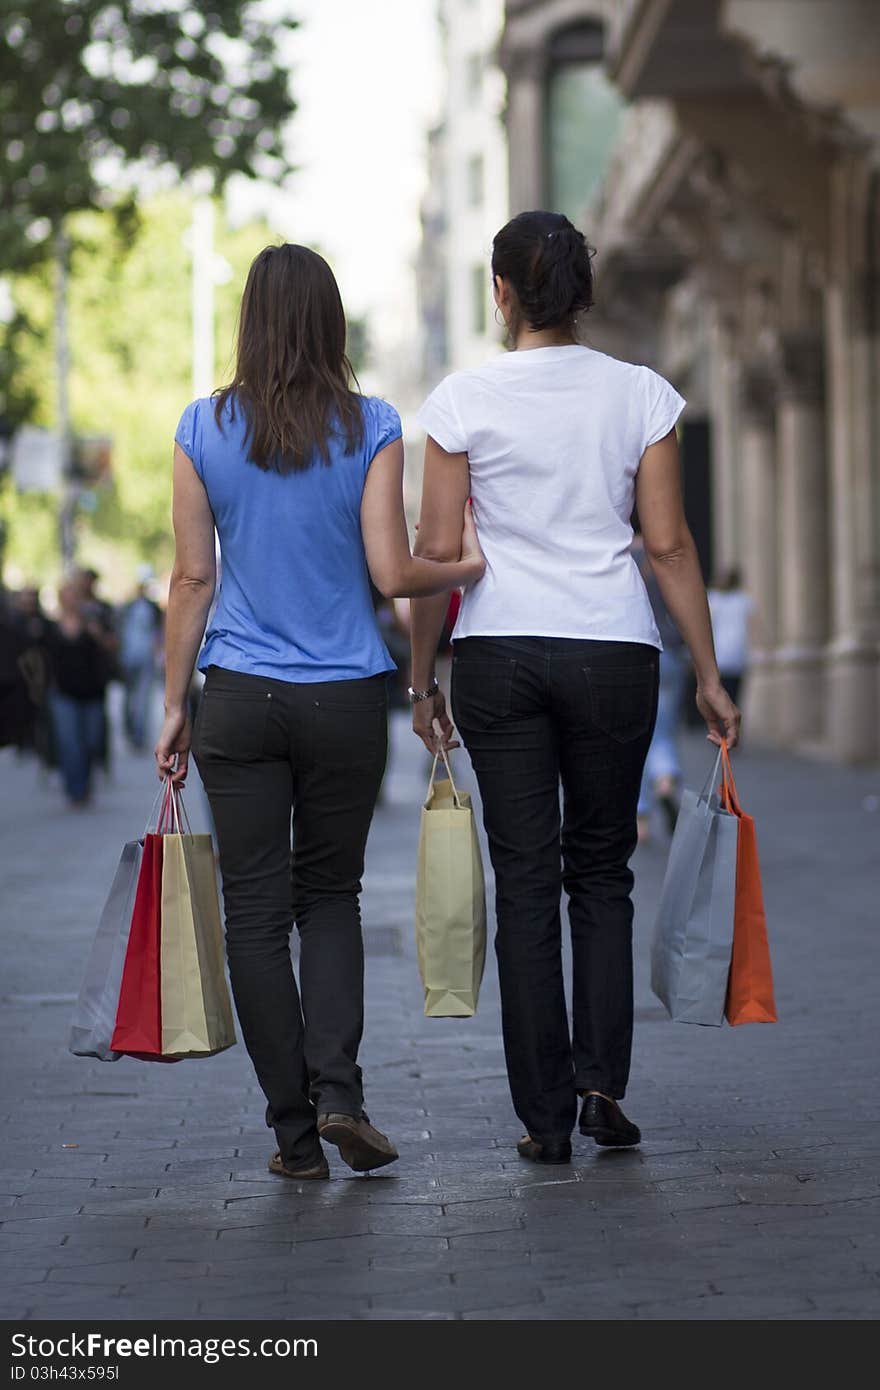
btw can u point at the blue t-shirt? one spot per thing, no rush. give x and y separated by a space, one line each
294 601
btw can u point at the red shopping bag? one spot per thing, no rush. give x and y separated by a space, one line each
138 1030
750 982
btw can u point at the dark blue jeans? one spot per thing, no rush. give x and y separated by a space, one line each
78 733
534 713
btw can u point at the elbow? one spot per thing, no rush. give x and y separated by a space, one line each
438 551
390 582
193 583
668 552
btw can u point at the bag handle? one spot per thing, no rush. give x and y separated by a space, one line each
172 815
442 753
711 780
729 798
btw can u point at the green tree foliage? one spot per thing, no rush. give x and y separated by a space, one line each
92 86
130 379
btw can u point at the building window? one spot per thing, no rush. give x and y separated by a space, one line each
582 118
475 170
479 301
474 78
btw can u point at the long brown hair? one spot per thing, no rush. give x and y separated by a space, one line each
293 380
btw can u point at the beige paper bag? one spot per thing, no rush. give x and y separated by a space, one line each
450 901
196 1008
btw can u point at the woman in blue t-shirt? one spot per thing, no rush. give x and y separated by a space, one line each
302 478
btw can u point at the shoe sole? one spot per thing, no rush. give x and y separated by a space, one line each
608 1140
304 1175
360 1155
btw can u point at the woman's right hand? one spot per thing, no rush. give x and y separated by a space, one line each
722 717
471 553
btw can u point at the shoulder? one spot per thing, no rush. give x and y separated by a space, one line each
632 375
380 412
381 424
191 422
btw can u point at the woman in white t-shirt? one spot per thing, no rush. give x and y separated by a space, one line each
555 661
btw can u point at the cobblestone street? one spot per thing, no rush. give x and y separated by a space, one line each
138 1191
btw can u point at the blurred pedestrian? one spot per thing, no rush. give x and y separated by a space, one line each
140 638
25 664
78 679
661 779
303 478
732 612
100 622
26 611
19 697
555 661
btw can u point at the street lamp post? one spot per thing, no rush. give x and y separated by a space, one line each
62 410
202 288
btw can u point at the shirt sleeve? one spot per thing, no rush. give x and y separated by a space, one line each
663 405
440 419
386 426
186 435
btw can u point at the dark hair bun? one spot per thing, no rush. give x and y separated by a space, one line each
548 263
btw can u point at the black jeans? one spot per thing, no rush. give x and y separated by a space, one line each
534 711
266 749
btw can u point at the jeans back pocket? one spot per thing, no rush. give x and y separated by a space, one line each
231 725
623 699
481 690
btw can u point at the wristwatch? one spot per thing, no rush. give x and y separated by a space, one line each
416 696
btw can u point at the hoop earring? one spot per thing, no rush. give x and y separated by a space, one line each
498 321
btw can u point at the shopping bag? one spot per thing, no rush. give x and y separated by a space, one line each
450 901
94 1017
693 932
196 1009
750 983
138 1028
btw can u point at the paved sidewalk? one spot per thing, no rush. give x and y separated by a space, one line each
138 1191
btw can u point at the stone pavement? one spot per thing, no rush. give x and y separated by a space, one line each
139 1191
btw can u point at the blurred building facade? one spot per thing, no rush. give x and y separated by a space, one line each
466 201
734 198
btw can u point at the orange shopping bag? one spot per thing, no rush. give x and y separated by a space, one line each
750 983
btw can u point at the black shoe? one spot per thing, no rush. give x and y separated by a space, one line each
548 1152
603 1120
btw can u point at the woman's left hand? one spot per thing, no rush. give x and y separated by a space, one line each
172 747
424 714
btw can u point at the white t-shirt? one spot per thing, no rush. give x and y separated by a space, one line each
731 610
553 437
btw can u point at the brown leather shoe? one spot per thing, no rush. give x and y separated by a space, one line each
307 1172
360 1145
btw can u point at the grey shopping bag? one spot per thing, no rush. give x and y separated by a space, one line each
693 933
94 1017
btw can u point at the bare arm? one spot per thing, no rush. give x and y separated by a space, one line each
670 548
393 568
445 490
189 600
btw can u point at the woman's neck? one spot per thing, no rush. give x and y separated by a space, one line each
558 336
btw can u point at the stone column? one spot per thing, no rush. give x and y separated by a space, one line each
526 95
759 542
724 390
802 546
852 345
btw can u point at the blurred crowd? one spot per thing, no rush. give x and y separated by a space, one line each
55 672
